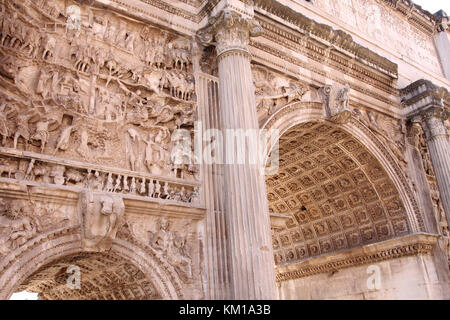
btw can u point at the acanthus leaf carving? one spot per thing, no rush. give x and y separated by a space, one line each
229 30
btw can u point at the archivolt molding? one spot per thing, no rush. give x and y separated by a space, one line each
40 251
35 254
162 273
35 249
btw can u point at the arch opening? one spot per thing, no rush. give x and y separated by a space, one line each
335 194
90 276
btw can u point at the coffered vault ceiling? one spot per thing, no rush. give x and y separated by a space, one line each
103 277
336 191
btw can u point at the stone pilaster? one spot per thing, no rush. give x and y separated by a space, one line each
442 41
427 104
432 120
250 256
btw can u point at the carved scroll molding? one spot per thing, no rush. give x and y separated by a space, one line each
411 245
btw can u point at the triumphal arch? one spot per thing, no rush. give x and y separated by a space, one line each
117 179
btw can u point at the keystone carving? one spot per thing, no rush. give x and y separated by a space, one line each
101 217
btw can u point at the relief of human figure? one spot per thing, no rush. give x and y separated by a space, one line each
16 226
134 138
31 42
157 192
173 247
129 43
133 186
109 183
83 148
43 85
8 29
343 99
126 188
22 129
142 187
149 151
5 110
110 33
63 141
102 216
151 188
97 181
195 196
121 35
41 134
165 193
117 186
156 152
49 45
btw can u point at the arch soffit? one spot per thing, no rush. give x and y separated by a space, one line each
296 113
57 244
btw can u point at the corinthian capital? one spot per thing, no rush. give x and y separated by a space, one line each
229 31
433 121
442 21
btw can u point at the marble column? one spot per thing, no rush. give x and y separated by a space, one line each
442 41
439 147
250 255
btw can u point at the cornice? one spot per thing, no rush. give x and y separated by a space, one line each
337 38
68 196
423 94
411 245
364 88
415 14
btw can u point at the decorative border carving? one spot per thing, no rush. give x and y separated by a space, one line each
411 245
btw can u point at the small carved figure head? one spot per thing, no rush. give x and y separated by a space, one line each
163 223
107 206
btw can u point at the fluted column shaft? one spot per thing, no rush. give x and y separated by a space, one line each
250 256
439 148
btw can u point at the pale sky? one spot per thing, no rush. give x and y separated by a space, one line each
434 5
24 295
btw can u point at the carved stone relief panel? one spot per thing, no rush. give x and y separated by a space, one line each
81 177
378 21
274 90
178 242
24 219
391 131
108 90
